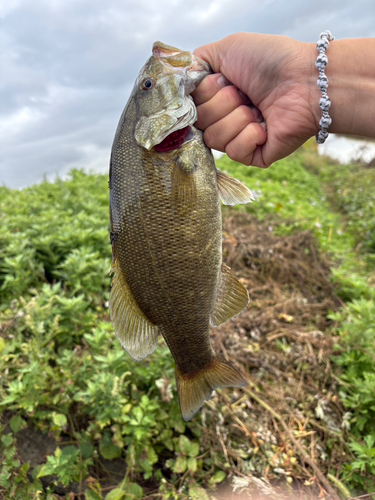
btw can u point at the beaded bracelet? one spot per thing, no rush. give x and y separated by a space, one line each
324 103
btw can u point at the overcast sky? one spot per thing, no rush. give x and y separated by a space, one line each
67 66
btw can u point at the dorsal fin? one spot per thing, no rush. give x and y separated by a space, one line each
231 298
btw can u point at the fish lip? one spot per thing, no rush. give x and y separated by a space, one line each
192 68
195 73
200 65
178 58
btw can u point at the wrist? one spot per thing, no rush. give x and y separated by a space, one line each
351 85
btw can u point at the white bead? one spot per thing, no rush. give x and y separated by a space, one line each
321 137
324 103
321 62
325 121
322 82
323 43
327 34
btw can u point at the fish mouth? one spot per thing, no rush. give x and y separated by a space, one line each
169 126
179 59
175 140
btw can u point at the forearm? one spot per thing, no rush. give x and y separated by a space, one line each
351 75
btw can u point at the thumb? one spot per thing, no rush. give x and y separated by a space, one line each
213 53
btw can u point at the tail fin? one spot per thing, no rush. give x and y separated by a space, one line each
194 390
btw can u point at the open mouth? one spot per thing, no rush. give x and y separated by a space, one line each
174 140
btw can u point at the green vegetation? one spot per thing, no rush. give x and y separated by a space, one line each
64 375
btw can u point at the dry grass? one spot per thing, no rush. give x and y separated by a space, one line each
283 433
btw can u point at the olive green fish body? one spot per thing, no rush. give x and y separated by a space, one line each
166 229
169 252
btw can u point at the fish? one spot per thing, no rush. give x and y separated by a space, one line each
166 229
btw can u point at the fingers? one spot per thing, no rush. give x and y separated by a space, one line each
209 87
222 132
229 123
243 146
226 100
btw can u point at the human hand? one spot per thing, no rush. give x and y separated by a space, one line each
275 73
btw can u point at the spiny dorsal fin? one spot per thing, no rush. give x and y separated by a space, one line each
194 390
231 298
232 191
137 335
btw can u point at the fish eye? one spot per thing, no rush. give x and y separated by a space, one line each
147 84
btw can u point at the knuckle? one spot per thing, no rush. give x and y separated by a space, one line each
204 113
247 161
231 95
198 123
245 114
211 82
232 153
209 138
207 83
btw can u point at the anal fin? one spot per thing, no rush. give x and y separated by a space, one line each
232 191
137 335
231 299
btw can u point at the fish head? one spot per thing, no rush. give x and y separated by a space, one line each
162 96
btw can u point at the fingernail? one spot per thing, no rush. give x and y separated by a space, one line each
223 82
245 98
257 114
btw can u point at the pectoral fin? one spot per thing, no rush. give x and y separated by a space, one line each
231 298
184 189
232 191
137 335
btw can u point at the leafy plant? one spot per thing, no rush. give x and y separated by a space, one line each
357 340
67 464
361 471
65 375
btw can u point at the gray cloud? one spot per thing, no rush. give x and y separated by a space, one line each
67 67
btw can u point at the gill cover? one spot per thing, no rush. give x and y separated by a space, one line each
166 106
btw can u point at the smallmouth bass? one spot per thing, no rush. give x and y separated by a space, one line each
166 231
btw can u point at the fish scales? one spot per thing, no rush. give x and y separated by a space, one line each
166 275
166 227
